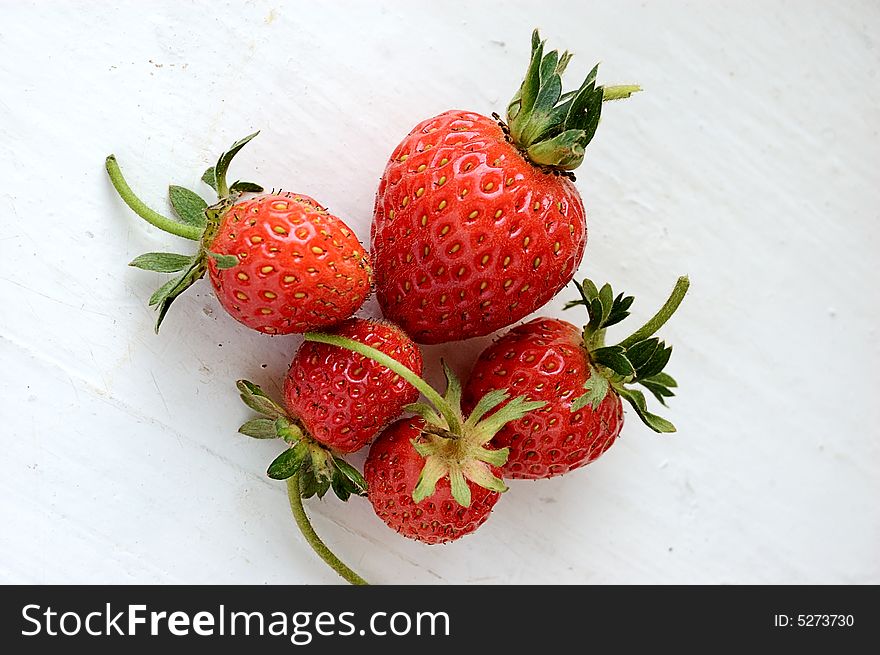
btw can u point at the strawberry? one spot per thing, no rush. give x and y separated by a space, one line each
280 263
343 399
581 380
299 267
434 477
477 223
392 471
547 356
336 400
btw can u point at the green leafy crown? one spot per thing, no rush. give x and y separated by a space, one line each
456 449
637 360
551 127
317 467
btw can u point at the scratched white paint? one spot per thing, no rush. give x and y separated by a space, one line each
749 162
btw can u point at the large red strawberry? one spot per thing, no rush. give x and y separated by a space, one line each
581 380
435 478
279 263
342 398
477 223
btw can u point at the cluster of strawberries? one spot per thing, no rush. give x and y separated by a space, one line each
477 223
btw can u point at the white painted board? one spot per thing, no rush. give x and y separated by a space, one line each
750 162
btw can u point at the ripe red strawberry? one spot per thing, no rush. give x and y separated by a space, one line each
299 267
547 357
580 379
434 478
392 471
477 223
342 398
336 401
279 263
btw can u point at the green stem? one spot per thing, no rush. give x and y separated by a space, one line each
302 520
138 207
619 92
657 321
222 186
428 392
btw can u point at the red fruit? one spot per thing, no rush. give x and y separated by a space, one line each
300 268
392 472
476 223
434 478
580 379
279 263
343 399
468 236
546 358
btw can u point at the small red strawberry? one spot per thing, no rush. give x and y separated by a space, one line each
435 478
279 263
299 267
477 223
336 401
343 399
393 469
580 379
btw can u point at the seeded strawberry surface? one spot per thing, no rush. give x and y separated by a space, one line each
300 268
392 471
546 359
468 236
343 399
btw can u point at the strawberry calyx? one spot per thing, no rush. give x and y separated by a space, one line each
453 445
462 455
194 220
316 467
638 359
310 469
552 128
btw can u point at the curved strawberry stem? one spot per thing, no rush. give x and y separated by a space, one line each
309 468
448 412
140 208
198 222
659 319
312 538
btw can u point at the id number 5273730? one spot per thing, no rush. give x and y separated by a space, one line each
813 620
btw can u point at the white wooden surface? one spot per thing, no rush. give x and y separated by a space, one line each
750 162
